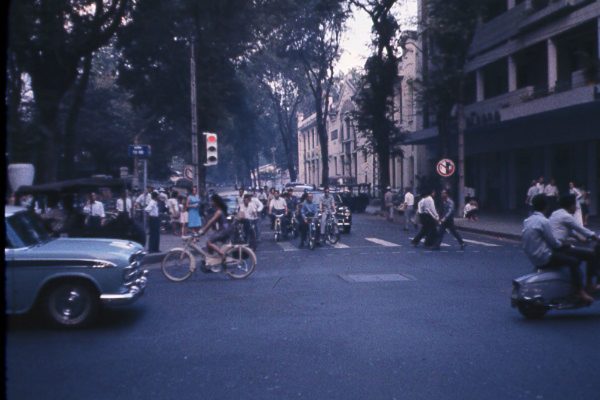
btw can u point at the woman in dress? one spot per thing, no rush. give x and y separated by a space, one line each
578 196
193 208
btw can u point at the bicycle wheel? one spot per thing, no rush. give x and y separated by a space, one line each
239 262
178 265
333 233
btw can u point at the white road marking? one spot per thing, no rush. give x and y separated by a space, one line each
382 242
287 246
442 245
339 245
481 243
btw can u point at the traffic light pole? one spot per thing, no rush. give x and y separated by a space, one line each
194 115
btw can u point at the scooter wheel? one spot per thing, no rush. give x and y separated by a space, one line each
532 310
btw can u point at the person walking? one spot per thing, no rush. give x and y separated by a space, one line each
429 219
193 208
389 203
153 224
409 210
578 197
447 221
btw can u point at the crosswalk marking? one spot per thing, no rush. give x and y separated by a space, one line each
382 242
481 243
287 246
339 245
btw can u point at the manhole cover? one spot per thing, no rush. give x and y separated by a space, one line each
363 278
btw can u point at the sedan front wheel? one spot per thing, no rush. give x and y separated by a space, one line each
72 304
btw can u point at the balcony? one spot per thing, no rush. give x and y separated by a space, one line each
548 10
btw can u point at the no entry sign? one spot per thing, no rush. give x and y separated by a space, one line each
445 167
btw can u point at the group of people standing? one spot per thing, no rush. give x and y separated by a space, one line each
552 194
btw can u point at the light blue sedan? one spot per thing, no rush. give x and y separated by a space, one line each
69 278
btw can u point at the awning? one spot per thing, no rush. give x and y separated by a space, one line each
425 136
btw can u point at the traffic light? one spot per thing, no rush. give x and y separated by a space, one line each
212 155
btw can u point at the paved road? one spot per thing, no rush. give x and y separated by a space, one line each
373 318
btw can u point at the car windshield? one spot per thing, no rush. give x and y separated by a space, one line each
25 229
231 203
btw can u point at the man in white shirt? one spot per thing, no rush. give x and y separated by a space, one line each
248 212
429 220
566 230
551 193
531 192
124 204
94 209
409 210
278 206
153 224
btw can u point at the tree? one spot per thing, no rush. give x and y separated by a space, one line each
282 82
449 27
313 41
49 40
375 99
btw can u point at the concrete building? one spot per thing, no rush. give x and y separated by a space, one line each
533 100
349 161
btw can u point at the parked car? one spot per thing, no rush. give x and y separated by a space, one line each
343 214
69 279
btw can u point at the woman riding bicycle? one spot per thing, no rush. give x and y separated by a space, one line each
219 219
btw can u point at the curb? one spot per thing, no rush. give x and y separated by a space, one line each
489 233
153 258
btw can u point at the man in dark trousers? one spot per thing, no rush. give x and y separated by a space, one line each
153 224
428 218
447 221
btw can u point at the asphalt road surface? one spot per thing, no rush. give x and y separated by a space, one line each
372 318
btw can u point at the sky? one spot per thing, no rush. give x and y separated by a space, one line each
356 39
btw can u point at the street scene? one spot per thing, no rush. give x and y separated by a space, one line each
319 199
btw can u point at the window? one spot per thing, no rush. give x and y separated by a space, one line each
334 134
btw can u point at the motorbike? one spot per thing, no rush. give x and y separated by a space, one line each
537 293
313 232
278 227
293 227
332 231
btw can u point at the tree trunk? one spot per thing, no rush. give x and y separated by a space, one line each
323 141
461 146
70 131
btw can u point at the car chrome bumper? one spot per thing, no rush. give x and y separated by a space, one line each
134 292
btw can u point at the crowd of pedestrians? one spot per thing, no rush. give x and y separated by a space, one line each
552 194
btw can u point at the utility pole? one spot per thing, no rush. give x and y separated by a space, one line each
194 114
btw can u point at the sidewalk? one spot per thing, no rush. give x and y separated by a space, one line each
506 226
167 242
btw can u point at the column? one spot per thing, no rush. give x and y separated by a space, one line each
510 4
592 183
512 180
552 65
512 74
480 85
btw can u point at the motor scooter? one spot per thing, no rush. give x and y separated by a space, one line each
537 293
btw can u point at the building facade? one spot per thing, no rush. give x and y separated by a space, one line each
349 160
533 101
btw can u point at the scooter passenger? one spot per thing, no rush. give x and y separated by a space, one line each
569 231
545 251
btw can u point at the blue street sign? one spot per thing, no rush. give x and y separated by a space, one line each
139 150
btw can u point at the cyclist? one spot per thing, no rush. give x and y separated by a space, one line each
278 207
248 213
327 207
308 210
221 235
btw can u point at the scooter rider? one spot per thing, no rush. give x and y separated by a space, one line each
567 230
308 210
327 207
278 206
544 250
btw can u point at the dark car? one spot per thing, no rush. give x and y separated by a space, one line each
343 215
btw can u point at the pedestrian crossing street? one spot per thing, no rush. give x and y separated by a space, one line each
354 242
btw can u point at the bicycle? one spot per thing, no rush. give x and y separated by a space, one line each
179 263
332 231
277 227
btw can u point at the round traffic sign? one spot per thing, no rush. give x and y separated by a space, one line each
188 172
445 167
